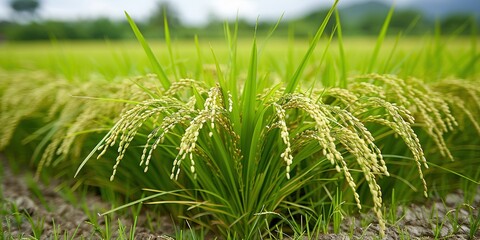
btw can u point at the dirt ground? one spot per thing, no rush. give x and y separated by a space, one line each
60 215
63 217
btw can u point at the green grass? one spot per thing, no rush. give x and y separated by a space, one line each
241 138
110 60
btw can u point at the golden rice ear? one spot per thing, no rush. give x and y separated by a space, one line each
343 97
346 120
430 109
22 99
359 142
214 108
130 122
464 99
281 123
366 159
183 84
396 116
16 108
181 116
464 113
333 126
399 120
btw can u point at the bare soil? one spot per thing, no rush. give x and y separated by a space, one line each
54 214
436 219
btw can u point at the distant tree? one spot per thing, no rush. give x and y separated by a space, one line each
371 24
408 21
25 8
458 24
157 18
311 21
104 28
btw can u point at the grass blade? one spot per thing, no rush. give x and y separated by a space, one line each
199 74
90 155
455 173
343 59
249 99
271 32
293 83
380 39
169 43
157 68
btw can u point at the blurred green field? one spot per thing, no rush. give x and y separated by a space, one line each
428 58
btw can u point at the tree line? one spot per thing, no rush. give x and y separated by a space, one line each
361 22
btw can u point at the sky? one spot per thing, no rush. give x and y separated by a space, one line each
194 12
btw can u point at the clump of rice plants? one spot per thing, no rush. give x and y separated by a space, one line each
58 124
235 153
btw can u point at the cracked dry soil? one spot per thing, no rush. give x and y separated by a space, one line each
414 221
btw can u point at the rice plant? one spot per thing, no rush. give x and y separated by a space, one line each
236 152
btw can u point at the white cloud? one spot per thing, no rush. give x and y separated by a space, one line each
229 9
68 9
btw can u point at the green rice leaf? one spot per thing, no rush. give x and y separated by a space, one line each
380 39
293 83
249 99
343 59
169 43
157 68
